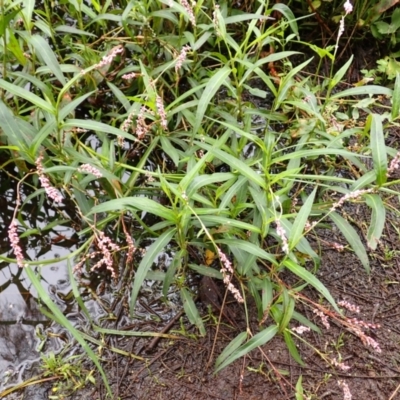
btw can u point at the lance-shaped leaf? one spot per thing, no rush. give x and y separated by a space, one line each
146 264
258 340
378 148
352 237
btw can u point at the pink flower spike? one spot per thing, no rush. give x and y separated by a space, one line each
51 192
90 170
14 242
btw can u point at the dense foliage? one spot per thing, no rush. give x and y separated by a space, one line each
197 128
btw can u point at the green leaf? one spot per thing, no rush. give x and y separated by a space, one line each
378 218
146 263
236 164
70 107
339 74
205 180
175 264
307 276
312 153
206 271
287 310
396 98
209 91
296 232
47 55
249 248
258 340
363 90
217 220
170 150
292 347
96 126
193 171
120 96
378 148
352 237
15 47
232 346
191 311
140 203
288 13
27 95
299 389
73 31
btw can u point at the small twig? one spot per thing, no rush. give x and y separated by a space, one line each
166 328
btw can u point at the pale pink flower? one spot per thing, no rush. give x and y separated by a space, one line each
216 21
189 10
131 247
349 306
51 192
227 273
340 365
131 75
161 112
90 170
308 226
14 242
106 246
181 58
394 164
337 246
348 7
323 317
362 323
356 325
141 126
350 196
280 231
108 58
128 122
301 329
341 28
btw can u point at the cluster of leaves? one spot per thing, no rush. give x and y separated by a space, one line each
224 172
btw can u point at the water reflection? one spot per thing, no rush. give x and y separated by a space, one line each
20 317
